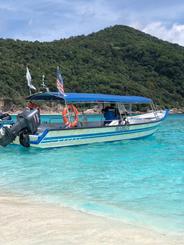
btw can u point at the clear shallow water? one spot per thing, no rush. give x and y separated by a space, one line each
138 181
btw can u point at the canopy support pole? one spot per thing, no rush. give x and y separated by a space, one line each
154 110
121 118
67 109
66 105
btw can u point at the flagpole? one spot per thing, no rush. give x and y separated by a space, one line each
67 109
61 88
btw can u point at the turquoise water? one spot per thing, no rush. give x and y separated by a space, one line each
139 181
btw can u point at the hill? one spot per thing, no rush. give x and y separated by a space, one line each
116 60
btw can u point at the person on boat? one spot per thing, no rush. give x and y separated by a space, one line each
110 113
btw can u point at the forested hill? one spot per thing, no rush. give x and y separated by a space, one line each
116 60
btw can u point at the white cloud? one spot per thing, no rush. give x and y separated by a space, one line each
97 9
70 19
174 33
7 6
46 20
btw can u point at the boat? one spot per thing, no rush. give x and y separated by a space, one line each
117 121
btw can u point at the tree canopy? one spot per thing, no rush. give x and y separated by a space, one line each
116 60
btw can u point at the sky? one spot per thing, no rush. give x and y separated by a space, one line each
47 20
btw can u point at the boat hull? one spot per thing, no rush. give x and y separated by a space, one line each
137 128
81 136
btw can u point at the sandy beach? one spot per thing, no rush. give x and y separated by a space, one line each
25 221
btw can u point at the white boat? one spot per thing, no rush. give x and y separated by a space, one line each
78 130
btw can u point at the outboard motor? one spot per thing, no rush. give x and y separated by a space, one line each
27 123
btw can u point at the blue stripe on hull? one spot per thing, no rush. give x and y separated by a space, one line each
62 144
105 142
91 136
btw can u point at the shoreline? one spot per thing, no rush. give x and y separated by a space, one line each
88 114
26 221
43 112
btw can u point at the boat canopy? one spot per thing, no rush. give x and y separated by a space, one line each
86 97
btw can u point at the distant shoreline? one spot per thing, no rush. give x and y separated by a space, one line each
54 113
91 111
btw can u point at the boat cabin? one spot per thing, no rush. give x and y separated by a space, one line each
107 110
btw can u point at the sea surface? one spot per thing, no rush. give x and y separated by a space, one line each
140 182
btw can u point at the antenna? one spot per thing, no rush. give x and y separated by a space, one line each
44 86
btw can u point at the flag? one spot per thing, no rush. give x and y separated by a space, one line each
59 82
29 79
